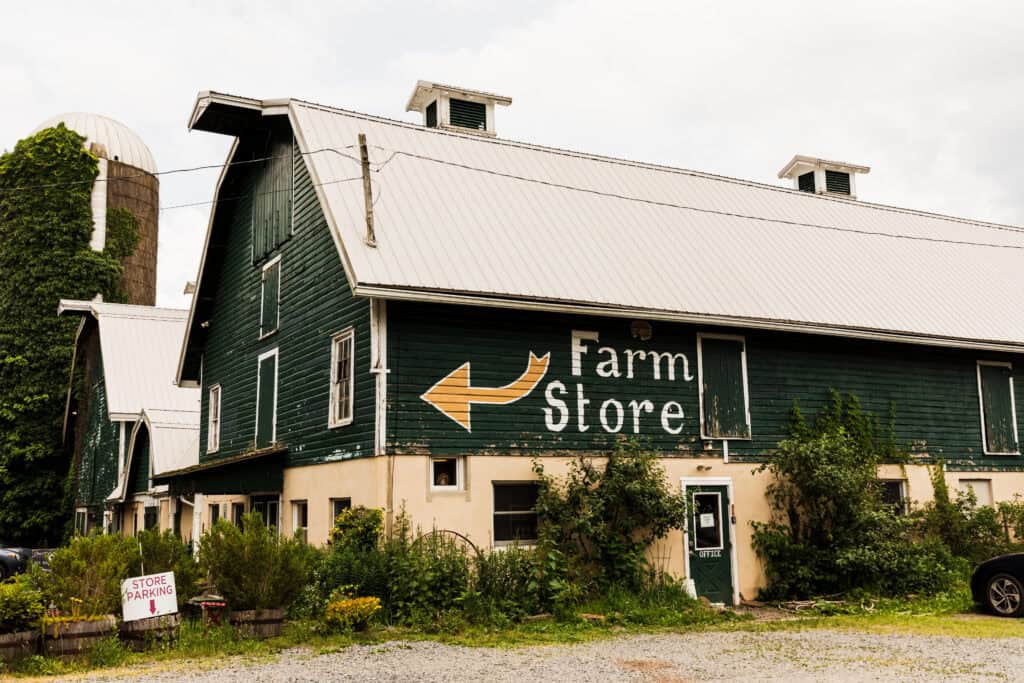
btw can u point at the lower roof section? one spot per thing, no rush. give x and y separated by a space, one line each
259 471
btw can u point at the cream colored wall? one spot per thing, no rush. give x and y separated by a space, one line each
186 522
470 511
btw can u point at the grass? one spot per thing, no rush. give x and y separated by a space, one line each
198 648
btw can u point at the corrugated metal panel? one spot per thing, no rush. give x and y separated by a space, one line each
174 439
460 213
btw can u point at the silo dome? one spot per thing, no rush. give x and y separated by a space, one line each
122 144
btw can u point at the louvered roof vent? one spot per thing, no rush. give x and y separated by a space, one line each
455 108
821 176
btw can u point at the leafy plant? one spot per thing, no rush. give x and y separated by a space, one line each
346 613
87 574
165 552
359 527
21 606
971 531
254 567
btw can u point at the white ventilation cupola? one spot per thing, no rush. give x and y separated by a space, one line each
453 108
821 176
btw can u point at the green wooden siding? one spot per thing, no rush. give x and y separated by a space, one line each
97 464
934 390
997 402
316 303
138 478
724 401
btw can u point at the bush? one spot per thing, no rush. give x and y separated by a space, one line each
358 526
347 613
21 606
504 586
253 567
970 531
165 552
85 577
605 519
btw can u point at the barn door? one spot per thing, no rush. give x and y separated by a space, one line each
708 539
266 400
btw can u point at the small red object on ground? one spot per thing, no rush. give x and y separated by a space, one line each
212 612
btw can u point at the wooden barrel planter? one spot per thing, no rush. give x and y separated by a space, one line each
14 646
71 638
258 623
155 631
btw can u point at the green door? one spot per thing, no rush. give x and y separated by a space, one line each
266 400
708 537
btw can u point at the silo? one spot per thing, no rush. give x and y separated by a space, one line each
126 179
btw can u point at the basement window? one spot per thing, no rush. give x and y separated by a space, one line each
997 405
446 474
343 358
213 424
893 493
339 505
837 182
981 488
214 513
466 114
722 376
300 519
270 297
515 512
237 512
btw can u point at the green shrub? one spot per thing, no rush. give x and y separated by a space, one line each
605 519
358 526
346 613
90 570
165 552
254 567
503 586
21 606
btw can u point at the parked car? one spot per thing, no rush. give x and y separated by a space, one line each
998 584
13 561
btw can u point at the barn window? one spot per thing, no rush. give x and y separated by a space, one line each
722 374
837 182
431 115
806 182
446 474
339 505
213 423
515 512
266 399
466 114
342 378
893 493
270 297
272 199
300 519
998 412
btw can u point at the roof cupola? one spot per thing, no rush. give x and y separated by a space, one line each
453 108
820 176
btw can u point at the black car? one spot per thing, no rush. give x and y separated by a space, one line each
13 561
999 585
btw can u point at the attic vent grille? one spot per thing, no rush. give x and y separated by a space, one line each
806 182
431 114
468 114
837 182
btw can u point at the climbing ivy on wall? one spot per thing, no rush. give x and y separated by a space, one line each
45 228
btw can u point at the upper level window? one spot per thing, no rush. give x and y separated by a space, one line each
270 297
343 358
722 374
998 410
213 424
272 198
466 114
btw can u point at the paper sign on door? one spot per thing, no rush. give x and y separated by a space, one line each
707 519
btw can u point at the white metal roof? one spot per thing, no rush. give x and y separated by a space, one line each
122 143
139 345
173 444
457 215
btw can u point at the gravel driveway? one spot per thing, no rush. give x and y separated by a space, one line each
719 656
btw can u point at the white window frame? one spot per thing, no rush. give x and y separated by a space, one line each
722 521
746 386
522 543
277 374
331 503
212 430
263 273
332 418
295 518
904 503
981 408
460 473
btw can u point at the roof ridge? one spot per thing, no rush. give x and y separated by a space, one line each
660 167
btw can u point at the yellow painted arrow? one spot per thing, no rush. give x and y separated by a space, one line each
454 395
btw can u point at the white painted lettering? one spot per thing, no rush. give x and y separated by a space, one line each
671 411
638 409
556 404
609 367
656 359
630 355
578 349
581 403
618 415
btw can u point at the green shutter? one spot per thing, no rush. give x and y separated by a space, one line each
265 404
723 392
272 199
838 182
468 114
270 291
997 402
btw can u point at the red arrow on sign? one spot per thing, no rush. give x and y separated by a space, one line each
152 606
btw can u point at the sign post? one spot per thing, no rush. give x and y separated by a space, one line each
148 596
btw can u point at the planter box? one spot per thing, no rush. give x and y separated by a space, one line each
67 639
145 633
259 623
14 646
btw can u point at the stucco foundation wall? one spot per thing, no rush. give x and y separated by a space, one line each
470 511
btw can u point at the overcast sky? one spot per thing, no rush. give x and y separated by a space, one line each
928 94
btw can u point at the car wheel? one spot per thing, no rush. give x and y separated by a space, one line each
1005 595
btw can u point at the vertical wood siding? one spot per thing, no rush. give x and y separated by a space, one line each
316 303
934 390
